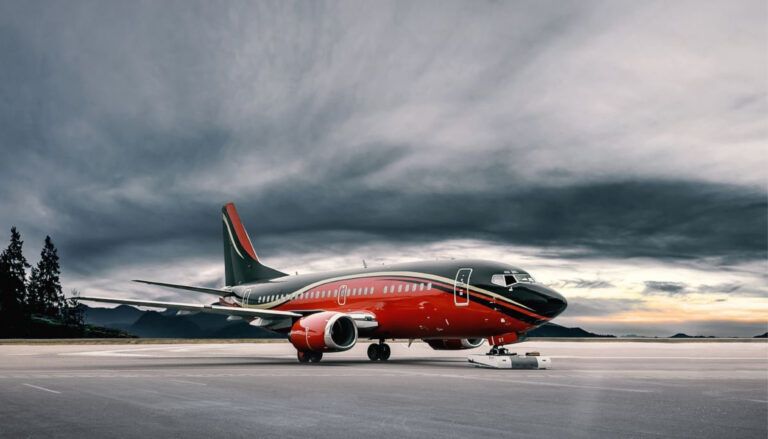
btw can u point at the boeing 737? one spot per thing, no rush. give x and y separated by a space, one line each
455 304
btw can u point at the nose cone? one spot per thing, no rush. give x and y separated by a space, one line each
544 301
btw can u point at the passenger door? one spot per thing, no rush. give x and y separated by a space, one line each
343 291
246 297
461 287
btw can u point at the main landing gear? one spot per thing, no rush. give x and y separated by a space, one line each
379 351
309 356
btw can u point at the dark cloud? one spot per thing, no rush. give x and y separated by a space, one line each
583 283
727 287
124 127
681 288
668 288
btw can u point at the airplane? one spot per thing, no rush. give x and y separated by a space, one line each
451 304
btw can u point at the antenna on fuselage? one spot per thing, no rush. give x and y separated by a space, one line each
364 264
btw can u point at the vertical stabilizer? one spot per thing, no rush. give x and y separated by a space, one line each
241 264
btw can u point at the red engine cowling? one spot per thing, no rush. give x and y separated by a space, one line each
454 344
324 332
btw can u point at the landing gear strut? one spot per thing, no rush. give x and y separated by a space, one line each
498 350
380 351
309 356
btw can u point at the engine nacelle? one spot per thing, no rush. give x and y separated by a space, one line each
454 344
326 331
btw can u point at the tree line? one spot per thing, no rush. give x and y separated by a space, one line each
25 301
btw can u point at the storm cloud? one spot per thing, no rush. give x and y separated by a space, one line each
660 287
584 130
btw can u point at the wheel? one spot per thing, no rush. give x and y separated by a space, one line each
373 352
303 356
384 352
315 357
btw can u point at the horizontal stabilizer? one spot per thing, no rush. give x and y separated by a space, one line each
213 291
213 309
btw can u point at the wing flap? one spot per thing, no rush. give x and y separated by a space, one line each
269 314
213 291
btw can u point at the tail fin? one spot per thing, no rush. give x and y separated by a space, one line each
241 265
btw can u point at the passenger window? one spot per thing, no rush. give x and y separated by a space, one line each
400 288
407 288
429 286
385 290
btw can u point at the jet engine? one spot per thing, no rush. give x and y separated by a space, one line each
326 331
454 344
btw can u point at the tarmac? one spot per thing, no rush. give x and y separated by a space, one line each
255 390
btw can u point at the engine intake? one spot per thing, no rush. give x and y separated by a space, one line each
324 332
454 344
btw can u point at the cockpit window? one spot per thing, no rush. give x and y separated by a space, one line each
525 277
506 280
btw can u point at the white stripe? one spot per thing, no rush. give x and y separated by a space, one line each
389 273
232 239
40 388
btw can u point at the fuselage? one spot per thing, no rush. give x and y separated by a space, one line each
434 299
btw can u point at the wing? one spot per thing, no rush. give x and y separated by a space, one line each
213 291
266 314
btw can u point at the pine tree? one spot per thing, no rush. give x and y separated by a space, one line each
74 314
13 288
45 295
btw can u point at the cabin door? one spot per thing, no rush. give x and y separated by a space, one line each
461 287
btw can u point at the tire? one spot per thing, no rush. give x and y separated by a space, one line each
315 357
384 352
303 356
373 352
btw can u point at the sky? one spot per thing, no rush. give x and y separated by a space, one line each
615 150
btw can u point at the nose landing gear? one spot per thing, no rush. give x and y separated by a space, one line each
498 350
380 351
500 358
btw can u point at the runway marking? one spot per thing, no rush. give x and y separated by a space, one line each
664 357
187 382
40 388
534 383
